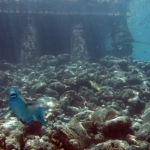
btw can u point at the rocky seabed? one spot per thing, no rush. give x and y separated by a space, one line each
92 106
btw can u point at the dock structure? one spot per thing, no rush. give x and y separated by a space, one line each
85 29
66 7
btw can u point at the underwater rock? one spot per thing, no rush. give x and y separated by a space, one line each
146 93
33 127
144 133
112 144
110 61
111 125
36 142
126 94
82 82
145 66
2 140
148 73
124 65
7 66
72 110
67 98
47 60
38 87
103 114
12 143
118 105
65 74
84 115
52 93
59 87
107 94
70 98
134 79
131 139
136 126
138 64
146 115
3 78
140 145
41 77
120 78
12 126
98 138
146 84
137 144
135 99
72 135
132 98
76 83
70 82
118 127
3 103
51 102
117 82
13 131
91 105
88 96
26 71
63 59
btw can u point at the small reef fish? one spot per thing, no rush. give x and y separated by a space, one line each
23 110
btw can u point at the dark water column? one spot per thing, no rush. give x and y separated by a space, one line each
121 38
79 50
30 45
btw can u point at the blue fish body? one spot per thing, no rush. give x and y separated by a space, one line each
26 111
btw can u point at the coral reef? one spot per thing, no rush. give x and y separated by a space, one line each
92 106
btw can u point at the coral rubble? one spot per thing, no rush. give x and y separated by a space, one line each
92 106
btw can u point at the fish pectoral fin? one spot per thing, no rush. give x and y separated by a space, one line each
33 102
26 100
5 113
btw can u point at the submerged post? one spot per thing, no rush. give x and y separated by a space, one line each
79 50
30 45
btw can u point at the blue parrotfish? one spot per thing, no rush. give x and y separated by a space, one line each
23 110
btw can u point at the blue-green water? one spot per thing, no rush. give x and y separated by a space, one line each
139 26
54 31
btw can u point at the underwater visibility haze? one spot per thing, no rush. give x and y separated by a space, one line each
75 74
139 25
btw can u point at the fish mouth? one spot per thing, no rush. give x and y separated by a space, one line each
13 95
